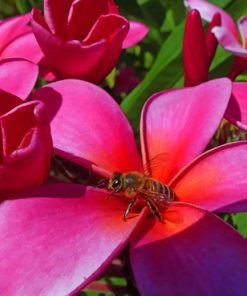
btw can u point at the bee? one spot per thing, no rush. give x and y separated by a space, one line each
136 186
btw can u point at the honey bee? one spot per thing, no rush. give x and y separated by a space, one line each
136 186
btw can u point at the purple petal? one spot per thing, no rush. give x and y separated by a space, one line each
192 253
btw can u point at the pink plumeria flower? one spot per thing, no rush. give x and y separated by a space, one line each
83 39
227 34
17 39
57 238
18 76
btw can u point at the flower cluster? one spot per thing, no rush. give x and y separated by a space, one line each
57 233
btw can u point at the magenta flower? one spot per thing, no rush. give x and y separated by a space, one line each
25 137
83 39
17 39
226 34
61 236
26 144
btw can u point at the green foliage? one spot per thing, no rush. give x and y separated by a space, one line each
240 220
166 71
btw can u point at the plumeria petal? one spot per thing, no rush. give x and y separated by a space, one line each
12 79
26 145
195 59
208 10
192 253
24 46
12 28
57 18
211 41
111 28
60 235
228 42
83 15
89 127
137 31
170 120
8 102
70 58
236 111
216 180
242 24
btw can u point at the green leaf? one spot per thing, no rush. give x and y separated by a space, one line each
22 6
240 220
166 70
221 3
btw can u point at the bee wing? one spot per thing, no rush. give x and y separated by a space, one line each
154 163
160 199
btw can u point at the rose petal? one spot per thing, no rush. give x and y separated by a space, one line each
24 46
228 42
89 127
236 111
208 10
192 253
216 180
137 32
171 119
60 235
12 79
242 24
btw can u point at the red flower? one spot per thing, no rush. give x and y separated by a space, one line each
198 48
61 236
83 39
26 144
25 132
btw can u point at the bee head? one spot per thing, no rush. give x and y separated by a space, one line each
115 183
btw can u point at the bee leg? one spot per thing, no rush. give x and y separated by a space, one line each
130 205
154 210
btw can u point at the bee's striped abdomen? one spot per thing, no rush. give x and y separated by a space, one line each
157 187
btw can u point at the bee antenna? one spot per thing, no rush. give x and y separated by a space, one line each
102 183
